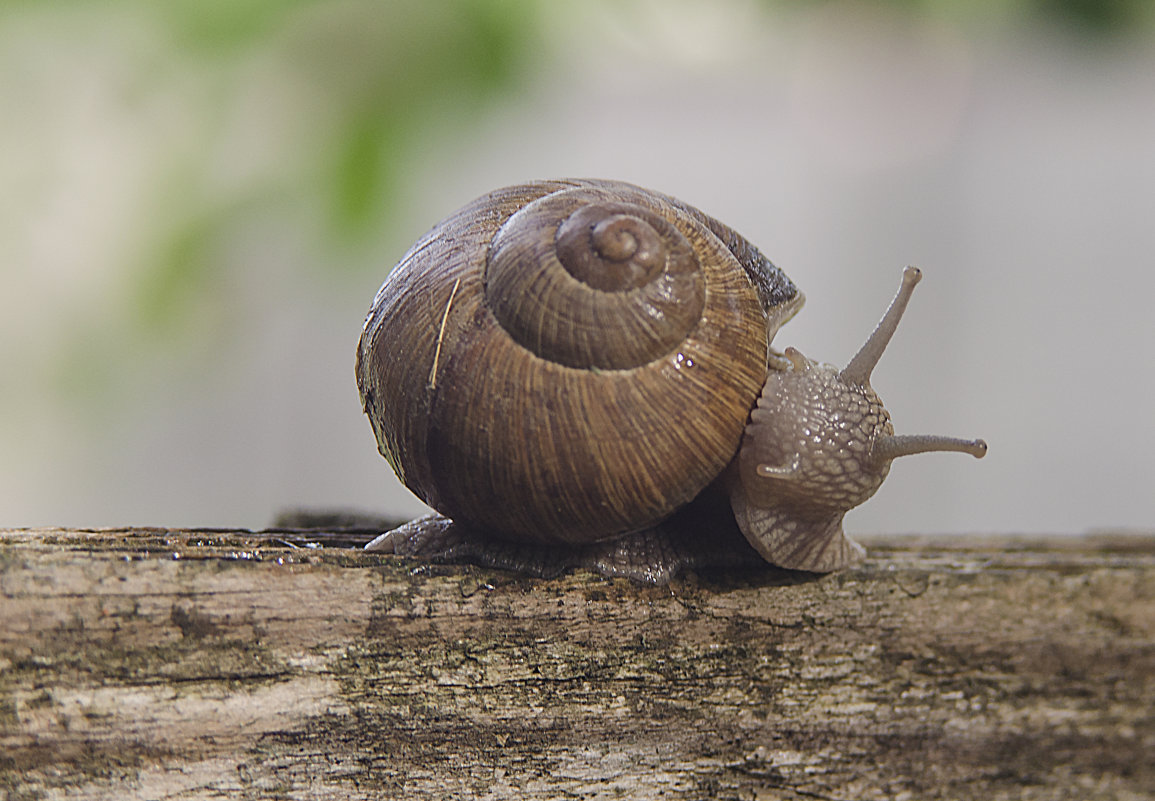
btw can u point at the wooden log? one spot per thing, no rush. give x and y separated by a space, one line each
185 664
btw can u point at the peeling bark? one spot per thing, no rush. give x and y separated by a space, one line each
149 663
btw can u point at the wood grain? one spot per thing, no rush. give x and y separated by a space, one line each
187 664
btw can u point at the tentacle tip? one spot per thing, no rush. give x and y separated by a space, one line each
781 471
798 362
911 275
979 448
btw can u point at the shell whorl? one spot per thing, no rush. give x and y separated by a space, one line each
495 402
593 283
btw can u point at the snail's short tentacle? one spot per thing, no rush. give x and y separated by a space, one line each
784 471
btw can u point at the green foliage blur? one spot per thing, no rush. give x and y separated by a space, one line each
387 72
235 114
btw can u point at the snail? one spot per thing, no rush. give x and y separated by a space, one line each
580 372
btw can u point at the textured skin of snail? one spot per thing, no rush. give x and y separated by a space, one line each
566 370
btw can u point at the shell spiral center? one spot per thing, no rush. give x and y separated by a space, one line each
585 281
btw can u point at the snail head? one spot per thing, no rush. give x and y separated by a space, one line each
818 444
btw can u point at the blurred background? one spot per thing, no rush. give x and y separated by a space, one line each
199 199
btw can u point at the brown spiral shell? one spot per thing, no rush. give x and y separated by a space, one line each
569 360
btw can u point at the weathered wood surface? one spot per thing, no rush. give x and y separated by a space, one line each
176 664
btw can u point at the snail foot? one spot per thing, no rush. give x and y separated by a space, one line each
438 539
696 538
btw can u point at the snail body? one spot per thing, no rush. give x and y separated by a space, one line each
565 363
